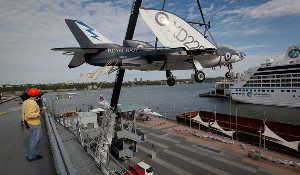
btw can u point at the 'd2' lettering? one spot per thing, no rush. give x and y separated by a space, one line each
188 41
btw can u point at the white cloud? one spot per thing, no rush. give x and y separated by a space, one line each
251 20
272 8
192 12
209 9
253 46
243 32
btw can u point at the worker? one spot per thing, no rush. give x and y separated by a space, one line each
32 119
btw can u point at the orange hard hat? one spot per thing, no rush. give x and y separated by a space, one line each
33 92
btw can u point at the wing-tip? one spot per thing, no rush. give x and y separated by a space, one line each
67 19
71 67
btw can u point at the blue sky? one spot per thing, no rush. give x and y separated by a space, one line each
261 28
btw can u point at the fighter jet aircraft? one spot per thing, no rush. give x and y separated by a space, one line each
184 48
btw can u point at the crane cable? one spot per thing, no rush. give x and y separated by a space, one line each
93 75
99 71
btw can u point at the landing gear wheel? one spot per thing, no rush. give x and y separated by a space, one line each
171 81
199 76
170 78
228 75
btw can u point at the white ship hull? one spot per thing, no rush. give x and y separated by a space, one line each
276 98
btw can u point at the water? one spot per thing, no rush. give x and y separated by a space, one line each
171 101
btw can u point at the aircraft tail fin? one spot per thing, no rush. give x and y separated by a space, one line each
172 31
86 36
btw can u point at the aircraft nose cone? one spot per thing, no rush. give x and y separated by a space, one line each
242 55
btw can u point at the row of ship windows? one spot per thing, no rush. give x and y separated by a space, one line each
273 85
244 94
275 76
275 81
264 90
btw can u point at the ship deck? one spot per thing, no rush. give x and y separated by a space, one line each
14 144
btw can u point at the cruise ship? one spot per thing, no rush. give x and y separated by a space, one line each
271 83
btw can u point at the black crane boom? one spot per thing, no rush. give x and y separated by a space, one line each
129 35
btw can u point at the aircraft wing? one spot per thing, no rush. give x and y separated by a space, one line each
179 62
159 59
173 32
77 50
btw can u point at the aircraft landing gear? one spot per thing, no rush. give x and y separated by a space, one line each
170 78
171 81
228 74
199 76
